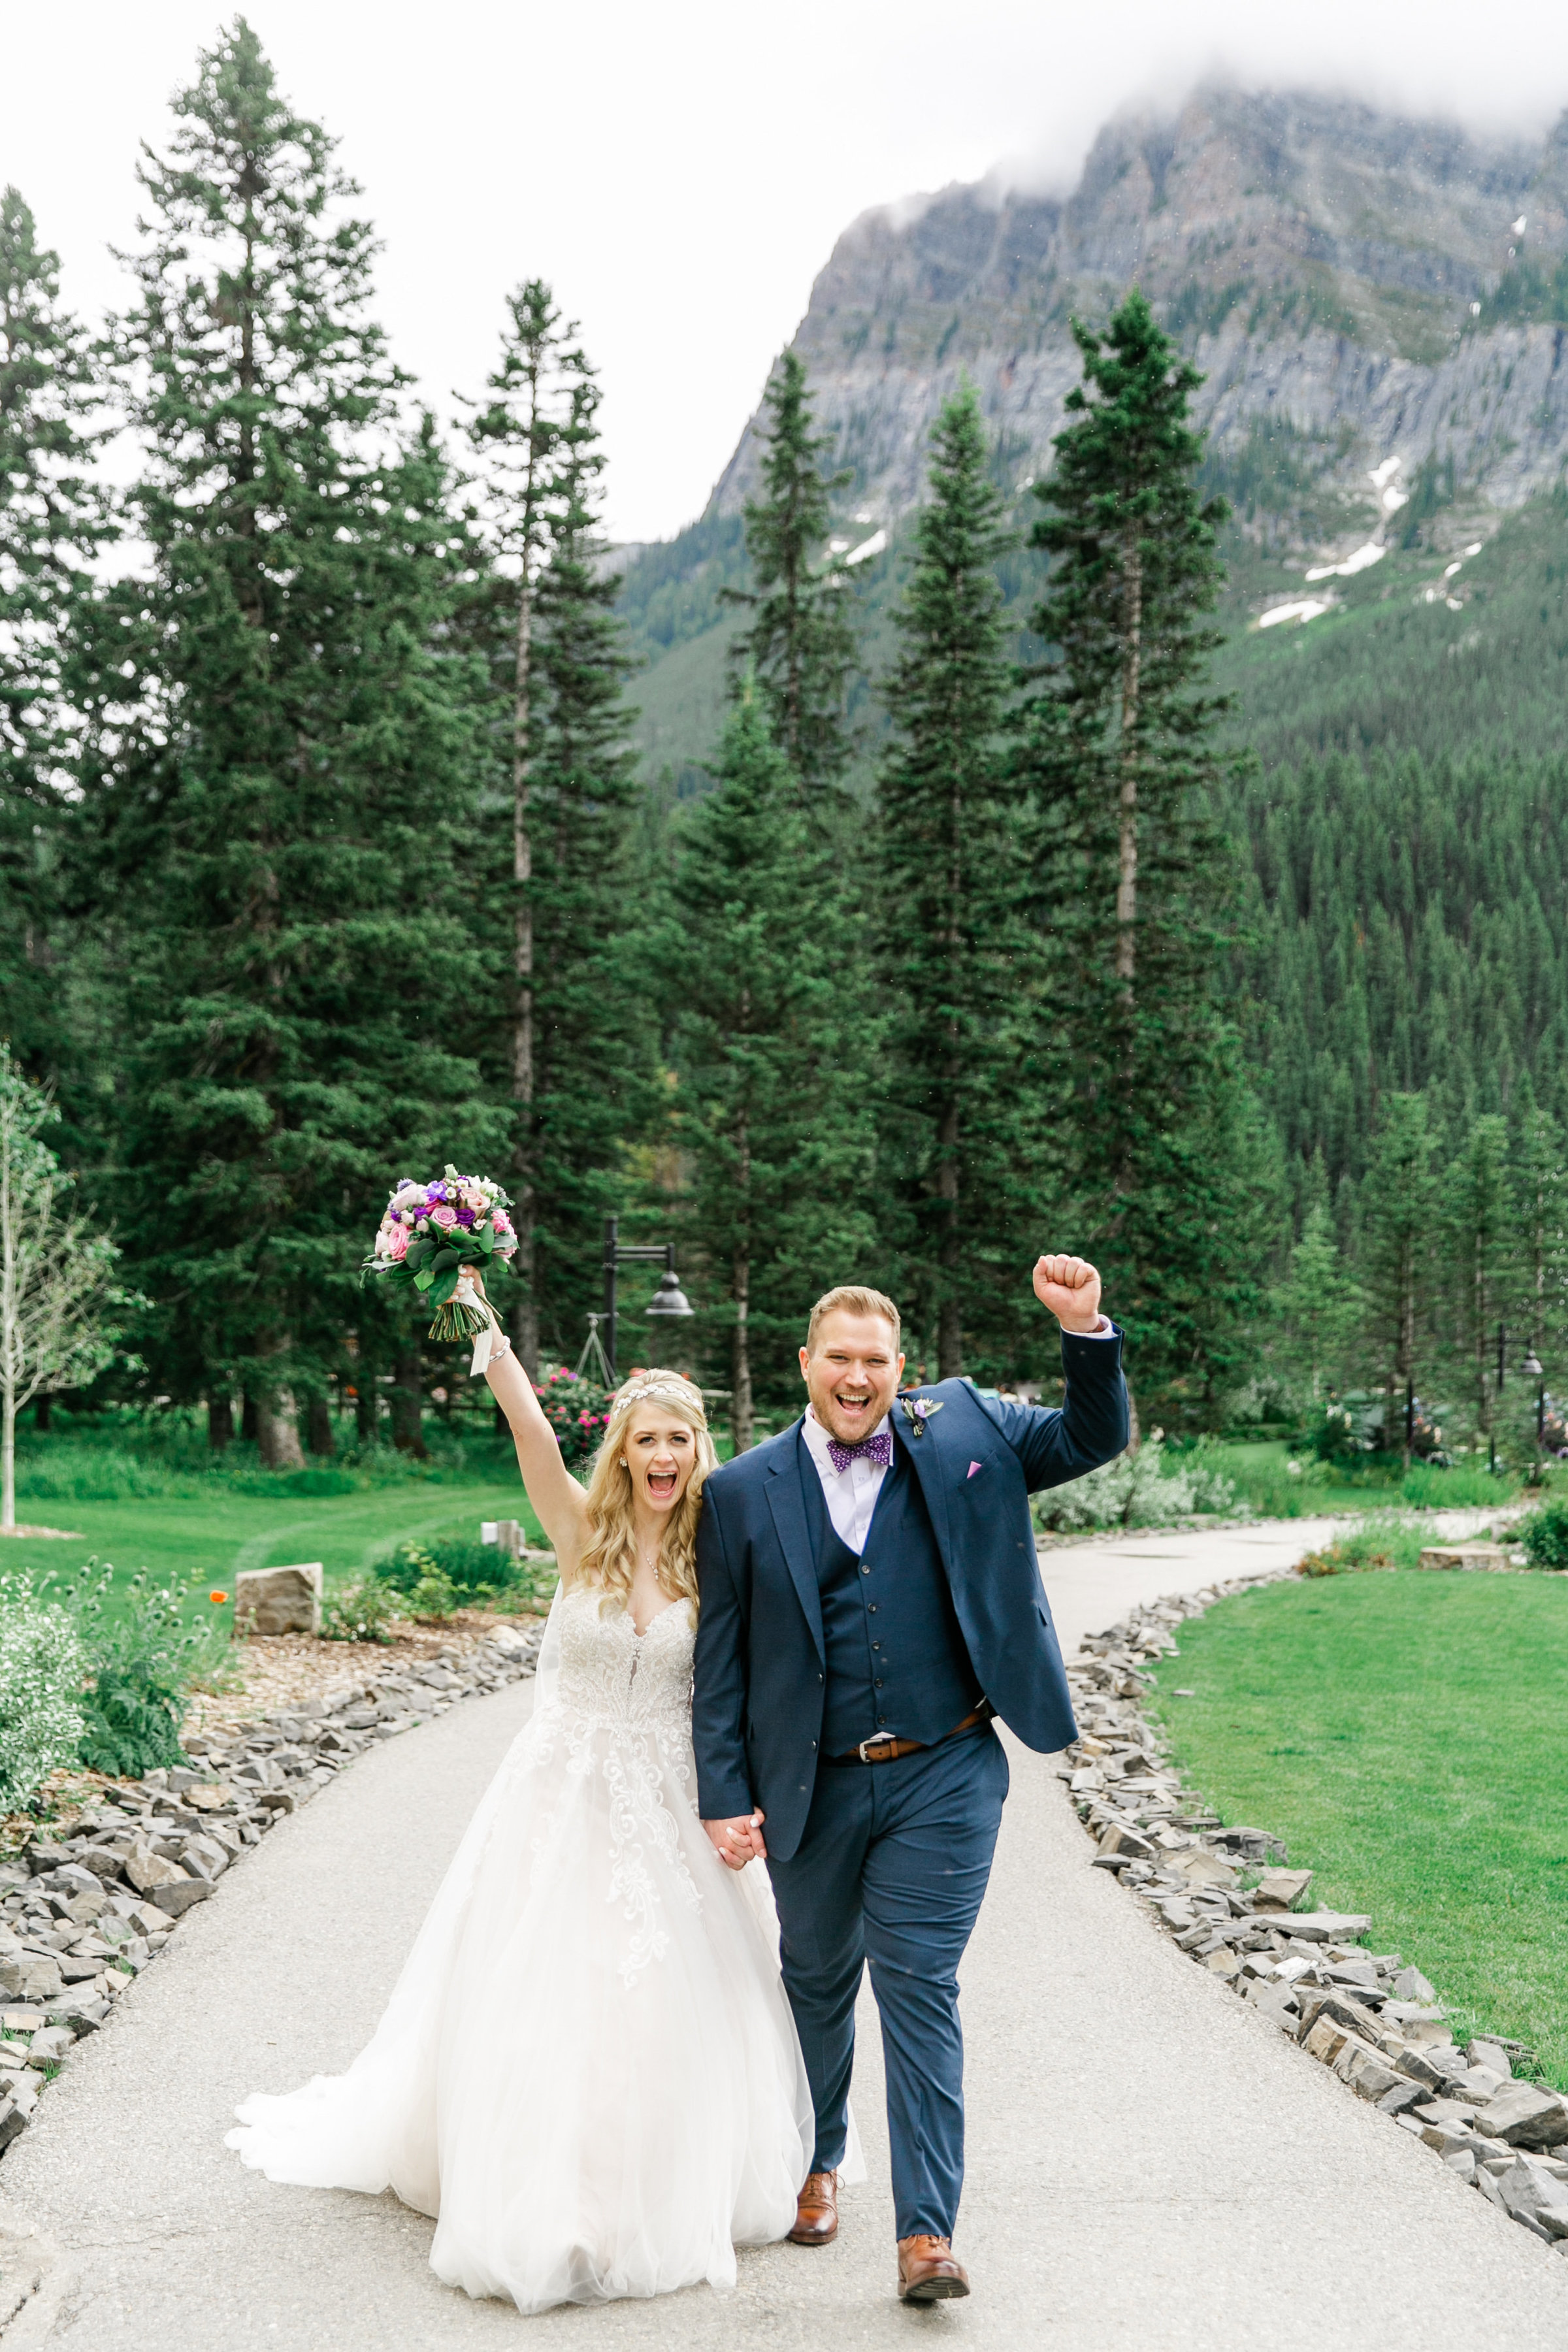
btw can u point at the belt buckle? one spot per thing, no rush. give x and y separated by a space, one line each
877 1740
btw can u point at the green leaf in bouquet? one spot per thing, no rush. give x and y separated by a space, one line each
484 1239
423 1280
419 1252
443 1258
442 1285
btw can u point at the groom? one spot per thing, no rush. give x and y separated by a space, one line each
871 1599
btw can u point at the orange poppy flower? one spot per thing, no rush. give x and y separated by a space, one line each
217 1596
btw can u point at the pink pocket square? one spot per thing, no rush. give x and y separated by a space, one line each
973 1467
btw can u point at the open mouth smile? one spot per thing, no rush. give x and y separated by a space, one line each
661 1484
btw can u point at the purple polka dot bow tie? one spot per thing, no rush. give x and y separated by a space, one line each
877 1450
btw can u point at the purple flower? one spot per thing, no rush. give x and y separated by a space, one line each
465 1217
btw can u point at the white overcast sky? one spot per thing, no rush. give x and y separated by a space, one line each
678 171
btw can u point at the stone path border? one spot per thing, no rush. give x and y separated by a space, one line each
1375 2021
82 1914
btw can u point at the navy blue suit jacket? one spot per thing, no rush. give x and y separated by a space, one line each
757 1705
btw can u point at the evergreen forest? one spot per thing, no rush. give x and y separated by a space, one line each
1018 895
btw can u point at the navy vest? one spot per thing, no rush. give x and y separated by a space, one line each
896 1658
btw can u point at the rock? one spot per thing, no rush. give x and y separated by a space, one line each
207 1855
149 1920
1474 1554
1276 2002
1280 1890
13 2122
1250 1844
279 1600
1201 1868
1128 1843
209 1796
177 1899
1344 2010
43 1856
1411 1984
1328 1927
49 2044
1462 2161
150 1872
30 1975
1529 2194
1403 2096
1525 2116
1482 2052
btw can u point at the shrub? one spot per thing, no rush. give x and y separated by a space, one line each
577 1410
365 1610
1545 1535
41 1671
142 1652
131 1722
480 1568
1386 1541
423 1587
1136 1490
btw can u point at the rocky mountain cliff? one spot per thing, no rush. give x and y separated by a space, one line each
1356 289
1380 309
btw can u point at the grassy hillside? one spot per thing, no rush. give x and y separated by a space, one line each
1391 665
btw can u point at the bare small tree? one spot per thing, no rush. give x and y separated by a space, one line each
56 1272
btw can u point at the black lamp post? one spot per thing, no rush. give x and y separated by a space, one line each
668 1301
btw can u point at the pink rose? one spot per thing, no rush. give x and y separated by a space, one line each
501 1221
445 1218
407 1197
473 1197
397 1242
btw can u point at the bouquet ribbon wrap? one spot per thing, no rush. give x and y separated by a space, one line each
486 1338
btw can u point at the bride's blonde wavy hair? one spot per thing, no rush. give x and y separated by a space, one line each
609 1555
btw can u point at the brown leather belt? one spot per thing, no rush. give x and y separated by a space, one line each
887 1750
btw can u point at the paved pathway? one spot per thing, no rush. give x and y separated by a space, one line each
1151 2165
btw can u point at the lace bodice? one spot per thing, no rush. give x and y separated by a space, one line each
612 1674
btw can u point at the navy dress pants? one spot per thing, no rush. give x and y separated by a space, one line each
892 1869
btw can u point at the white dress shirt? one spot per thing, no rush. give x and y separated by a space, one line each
851 1493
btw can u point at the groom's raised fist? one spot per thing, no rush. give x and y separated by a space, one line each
1070 1286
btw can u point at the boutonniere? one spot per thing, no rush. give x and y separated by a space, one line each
918 1410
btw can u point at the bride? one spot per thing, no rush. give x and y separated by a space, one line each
588 2069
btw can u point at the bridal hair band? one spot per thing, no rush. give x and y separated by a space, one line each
662 1384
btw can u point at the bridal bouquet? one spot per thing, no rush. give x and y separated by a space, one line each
430 1232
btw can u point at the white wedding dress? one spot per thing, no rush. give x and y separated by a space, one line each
588 2069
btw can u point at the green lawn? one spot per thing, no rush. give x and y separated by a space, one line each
1406 1733
205 1539
1260 1470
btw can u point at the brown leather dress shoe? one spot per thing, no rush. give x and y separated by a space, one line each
927 2272
817 2211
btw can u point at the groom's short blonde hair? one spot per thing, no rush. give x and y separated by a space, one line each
852 1298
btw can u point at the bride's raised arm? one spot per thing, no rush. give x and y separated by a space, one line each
559 1502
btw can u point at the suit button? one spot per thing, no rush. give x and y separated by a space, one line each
865 1571
878 1686
876 1645
814 1743
871 1608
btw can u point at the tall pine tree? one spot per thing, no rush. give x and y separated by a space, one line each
1400 1206
1120 738
278 819
1478 1257
53 521
950 858
798 647
773 1117
581 1034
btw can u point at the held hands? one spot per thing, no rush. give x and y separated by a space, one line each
736 1842
1070 1286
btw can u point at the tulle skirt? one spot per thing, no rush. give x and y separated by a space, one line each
588 2072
